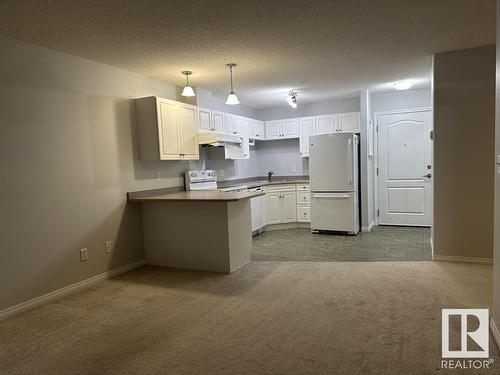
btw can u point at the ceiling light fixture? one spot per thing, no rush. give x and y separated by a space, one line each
403 85
292 98
232 99
188 90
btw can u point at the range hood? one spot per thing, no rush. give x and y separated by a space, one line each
219 139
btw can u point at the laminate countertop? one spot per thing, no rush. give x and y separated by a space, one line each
198 196
251 183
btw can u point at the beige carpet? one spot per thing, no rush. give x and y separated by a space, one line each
266 318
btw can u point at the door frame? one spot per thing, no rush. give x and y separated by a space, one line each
376 192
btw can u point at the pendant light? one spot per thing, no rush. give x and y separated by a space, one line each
188 90
232 99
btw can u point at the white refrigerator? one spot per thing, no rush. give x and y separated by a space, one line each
333 170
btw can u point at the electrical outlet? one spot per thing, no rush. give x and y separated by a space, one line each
157 174
107 246
84 255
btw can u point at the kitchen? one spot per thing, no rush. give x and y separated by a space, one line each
327 145
370 119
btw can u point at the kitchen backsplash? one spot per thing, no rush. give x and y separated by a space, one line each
280 156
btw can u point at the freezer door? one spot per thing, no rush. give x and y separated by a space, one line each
335 212
333 162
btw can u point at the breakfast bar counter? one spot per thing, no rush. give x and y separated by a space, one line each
199 230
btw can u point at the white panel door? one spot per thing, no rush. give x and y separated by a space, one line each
404 161
290 128
168 130
231 125
188 131
349 122
205 119
273 208
288 207
242 126
326 124
259 130
273 130
218 121
307 127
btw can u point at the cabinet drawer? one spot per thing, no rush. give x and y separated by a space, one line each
303 197
303 213
280 187
302 187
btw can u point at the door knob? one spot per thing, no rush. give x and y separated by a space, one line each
428 175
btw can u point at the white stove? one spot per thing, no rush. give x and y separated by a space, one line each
207 180
200 180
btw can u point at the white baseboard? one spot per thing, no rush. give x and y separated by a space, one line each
447 258
40 300
368 228
495 332
295 225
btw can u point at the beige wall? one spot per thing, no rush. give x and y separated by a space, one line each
464 115
67 146
496 266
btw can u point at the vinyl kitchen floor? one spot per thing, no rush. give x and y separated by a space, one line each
382 244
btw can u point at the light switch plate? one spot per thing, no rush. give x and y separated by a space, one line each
498 159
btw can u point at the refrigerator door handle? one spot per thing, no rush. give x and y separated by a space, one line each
349 161
330 196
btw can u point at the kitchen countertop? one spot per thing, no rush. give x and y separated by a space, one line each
255 182
198 196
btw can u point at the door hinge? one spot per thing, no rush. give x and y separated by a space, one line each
377 171
378 212
376 128
431 135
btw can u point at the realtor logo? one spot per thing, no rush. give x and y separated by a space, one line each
478 334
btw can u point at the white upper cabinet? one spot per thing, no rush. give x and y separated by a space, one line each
259 130
273 129
326 124
255 129
307 127
218 122
187 117
231 124
168 130
349 122
290 128
242 126
205 119
281 129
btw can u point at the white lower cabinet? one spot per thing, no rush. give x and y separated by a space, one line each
304 214
273 208
288 207
303 203
281 204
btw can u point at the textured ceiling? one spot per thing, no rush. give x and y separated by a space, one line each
336 47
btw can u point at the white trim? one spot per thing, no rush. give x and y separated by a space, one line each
376 116
448 258
495 332
281 226
368 228
432 246
40 300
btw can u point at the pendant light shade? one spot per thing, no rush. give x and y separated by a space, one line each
188 90
232 99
